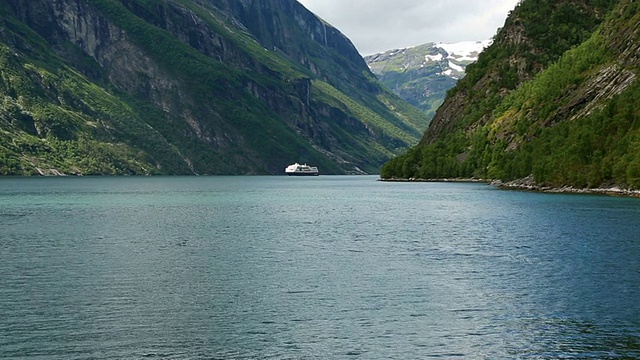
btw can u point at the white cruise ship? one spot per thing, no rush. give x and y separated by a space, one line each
301 169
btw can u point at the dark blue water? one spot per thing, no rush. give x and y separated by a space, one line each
313 268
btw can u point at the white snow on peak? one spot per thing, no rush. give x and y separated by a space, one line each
458 56
456 67
465 50
437 57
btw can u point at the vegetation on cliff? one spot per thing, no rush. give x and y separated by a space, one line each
188 87
565 113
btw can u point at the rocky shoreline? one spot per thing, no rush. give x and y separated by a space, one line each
529 184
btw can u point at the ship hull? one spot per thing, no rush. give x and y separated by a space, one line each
303 174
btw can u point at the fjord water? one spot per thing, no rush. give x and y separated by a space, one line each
327 267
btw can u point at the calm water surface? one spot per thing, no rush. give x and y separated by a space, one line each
330 267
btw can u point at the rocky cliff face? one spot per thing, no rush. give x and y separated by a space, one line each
234 86
280 24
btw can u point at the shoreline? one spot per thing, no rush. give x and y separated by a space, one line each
612 191
528 184
460 180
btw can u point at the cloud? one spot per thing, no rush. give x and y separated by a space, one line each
378 25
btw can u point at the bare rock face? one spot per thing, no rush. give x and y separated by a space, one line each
125 64
608 82
278 24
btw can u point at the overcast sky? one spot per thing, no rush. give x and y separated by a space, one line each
379 25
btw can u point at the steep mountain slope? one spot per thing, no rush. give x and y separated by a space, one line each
188 86
423 74
573 123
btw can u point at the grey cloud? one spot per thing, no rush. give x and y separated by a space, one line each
379 25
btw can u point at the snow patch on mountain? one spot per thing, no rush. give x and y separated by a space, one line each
456 67
435 58
465 50
450 58
459 55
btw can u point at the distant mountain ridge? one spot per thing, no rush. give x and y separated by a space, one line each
422 74
188 87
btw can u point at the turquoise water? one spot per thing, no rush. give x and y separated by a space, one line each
330 267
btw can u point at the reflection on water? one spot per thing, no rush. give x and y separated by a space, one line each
326 267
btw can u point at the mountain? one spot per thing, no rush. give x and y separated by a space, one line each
553 100
188 87
423 74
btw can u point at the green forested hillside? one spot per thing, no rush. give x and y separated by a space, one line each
573 123
188 87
